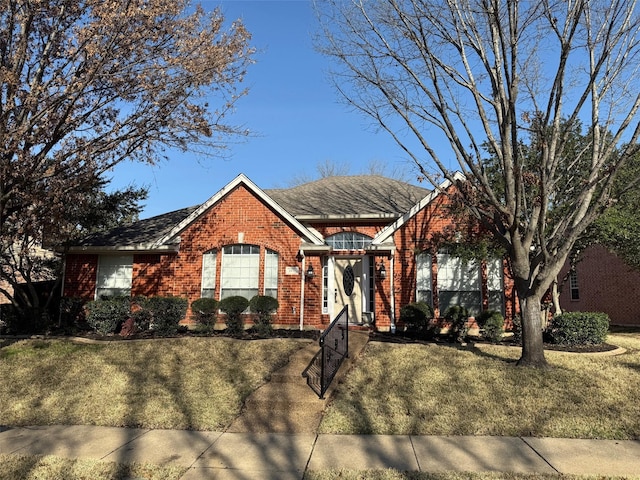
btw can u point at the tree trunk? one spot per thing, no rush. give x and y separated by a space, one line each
555 296
532 346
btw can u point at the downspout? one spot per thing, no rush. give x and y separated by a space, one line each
392 293
302 284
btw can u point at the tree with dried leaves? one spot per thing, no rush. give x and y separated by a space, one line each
448 79
87 84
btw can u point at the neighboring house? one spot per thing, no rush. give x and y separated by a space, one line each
602 282
365 241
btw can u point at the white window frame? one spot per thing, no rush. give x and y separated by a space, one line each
349 241
240 271
114 276
271 273
424 284
459 280
208 282
495 284
573 285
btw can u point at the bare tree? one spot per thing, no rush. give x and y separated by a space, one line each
87 84
452 79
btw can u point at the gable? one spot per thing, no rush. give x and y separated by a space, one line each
385 235
240 181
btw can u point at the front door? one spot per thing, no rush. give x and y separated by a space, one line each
348 287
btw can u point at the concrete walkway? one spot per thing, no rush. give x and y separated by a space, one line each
275 438
281 456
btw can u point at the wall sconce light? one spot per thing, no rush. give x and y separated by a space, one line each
310 273
382 271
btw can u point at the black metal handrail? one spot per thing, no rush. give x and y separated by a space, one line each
334 348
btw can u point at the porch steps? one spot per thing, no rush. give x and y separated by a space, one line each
286 404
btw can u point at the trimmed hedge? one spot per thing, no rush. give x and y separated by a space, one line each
578 328
233 307
205 312
417 317
166 313
491 323
263 306
458 316
107 315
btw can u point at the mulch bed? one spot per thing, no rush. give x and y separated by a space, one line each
408 338
401 338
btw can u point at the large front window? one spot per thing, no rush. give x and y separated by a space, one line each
240 271
458 283
240 274
115 274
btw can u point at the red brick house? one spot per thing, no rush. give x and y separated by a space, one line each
602 282
308 246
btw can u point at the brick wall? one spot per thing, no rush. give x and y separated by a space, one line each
606 284
80 276
240 217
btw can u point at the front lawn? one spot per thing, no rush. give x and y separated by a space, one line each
445 390
189 383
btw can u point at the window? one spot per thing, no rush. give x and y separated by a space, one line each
115 273
271 274
240 267
208 289
495 276
423 278
573 285
458 283
348 241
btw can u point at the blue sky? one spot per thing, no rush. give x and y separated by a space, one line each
293 111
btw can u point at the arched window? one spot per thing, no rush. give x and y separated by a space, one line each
348 241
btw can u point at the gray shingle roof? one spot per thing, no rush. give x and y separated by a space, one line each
360 195
342 196
142 232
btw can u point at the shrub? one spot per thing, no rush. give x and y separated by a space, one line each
205 311
417 316
491 323
233 307
9 319
458 317
107 315
71 311
142 319
166 313
263 306
578 328
516 329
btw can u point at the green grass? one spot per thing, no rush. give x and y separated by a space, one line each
190 383
444 390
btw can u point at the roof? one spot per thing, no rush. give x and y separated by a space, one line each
343 197
360 196
138 234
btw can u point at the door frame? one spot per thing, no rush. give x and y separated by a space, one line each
365 285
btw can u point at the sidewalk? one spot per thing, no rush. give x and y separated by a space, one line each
275 438
271 456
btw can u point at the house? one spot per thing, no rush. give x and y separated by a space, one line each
368 242
602 282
